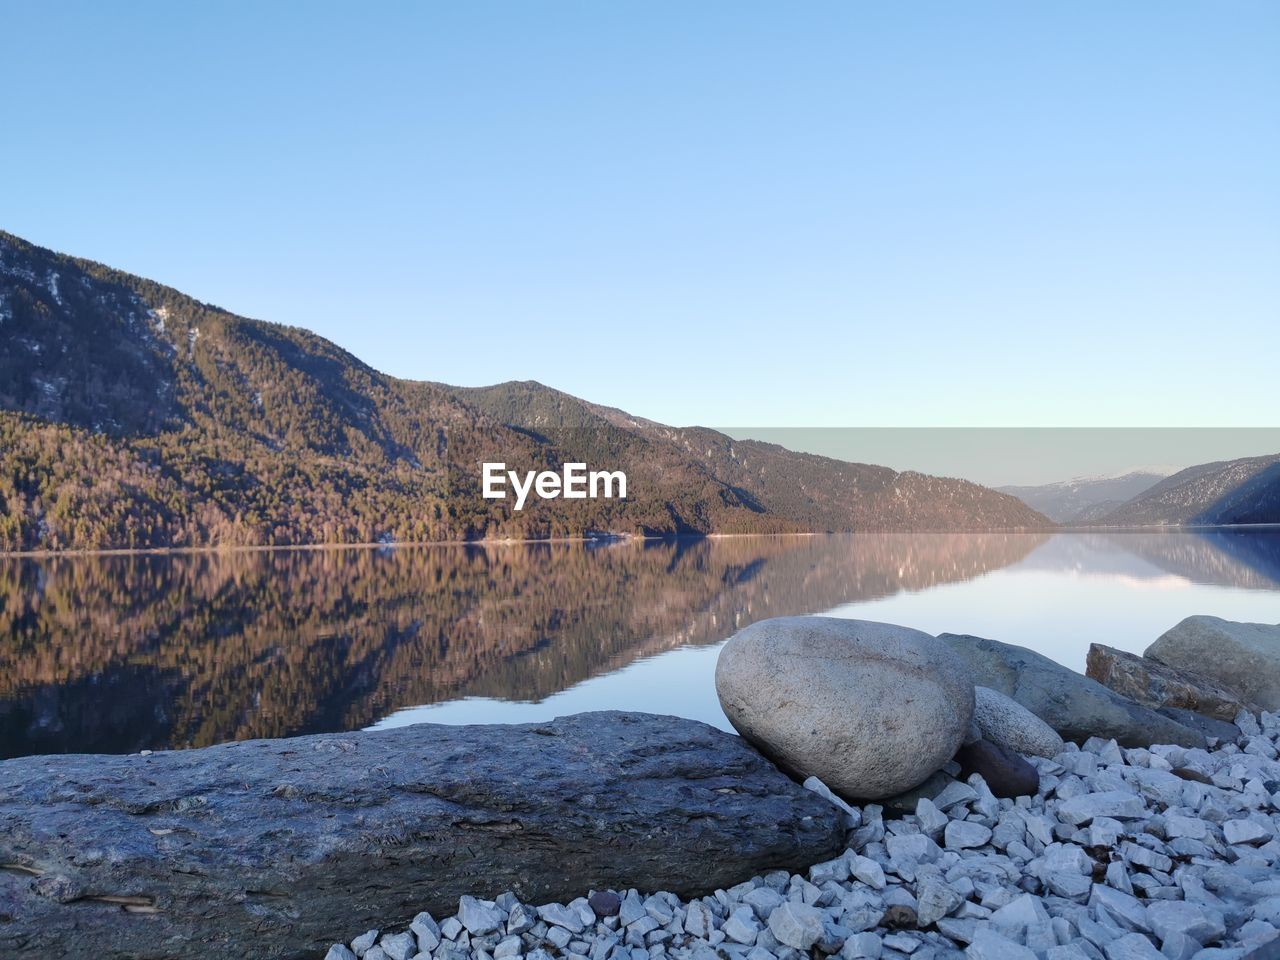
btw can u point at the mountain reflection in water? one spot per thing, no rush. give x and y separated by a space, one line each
121 653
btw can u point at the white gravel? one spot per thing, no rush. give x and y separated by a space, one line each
1124 855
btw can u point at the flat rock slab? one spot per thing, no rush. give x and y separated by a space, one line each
277 848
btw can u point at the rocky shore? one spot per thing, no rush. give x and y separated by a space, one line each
997 806
892 795
1160 853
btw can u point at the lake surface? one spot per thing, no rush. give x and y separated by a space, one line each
118 654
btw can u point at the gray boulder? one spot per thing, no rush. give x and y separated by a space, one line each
1243 657
1222 730
871 709
1075 706
1006 722
1157 685
278 848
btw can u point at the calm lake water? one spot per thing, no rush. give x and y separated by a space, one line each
118 654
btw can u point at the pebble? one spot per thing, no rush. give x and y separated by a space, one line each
699 921
954 793
1245 831
1200 922
934 900
1132 946
932 820
362 944
862 946
399 946
480 917
964 834
989 945
869 872
796 925
1020 913
1168 853
605 903
741 927
521 919
1115 804
1177 825
561 916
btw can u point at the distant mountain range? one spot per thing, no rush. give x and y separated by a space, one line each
1224 493
134 416
1084 499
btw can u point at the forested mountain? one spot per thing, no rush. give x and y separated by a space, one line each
817 493
1084 499
1221 493
132 415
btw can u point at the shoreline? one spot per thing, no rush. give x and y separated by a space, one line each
375 545
1119 852
614 538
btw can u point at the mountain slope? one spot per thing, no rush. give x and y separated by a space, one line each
132 415
1084 499
818 493
1221 493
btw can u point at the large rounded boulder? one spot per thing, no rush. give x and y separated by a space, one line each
870 709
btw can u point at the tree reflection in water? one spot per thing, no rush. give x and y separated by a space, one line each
121 653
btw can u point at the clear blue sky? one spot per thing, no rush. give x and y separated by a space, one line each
734 213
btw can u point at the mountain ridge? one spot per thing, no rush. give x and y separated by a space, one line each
1222 493
1084 499
134 416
